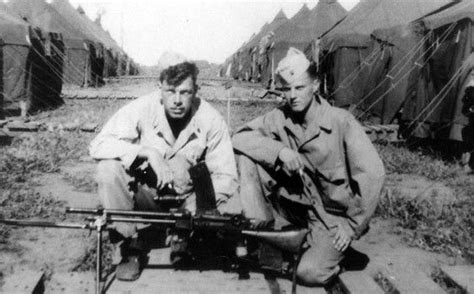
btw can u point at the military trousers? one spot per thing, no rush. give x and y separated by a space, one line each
319 262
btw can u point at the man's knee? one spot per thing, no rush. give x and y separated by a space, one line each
252 194
108 171
314 274
246 166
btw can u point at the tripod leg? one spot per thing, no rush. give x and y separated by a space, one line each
99 262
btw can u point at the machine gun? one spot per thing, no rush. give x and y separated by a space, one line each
99 219
204 220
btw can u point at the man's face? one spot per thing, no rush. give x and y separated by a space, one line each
178 100
299 93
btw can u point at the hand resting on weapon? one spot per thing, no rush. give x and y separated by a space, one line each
175 179
164 175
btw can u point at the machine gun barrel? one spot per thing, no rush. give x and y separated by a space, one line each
137 220
44 224
122 212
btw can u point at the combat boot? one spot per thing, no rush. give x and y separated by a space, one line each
133 261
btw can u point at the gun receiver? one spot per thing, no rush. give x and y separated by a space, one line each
287 240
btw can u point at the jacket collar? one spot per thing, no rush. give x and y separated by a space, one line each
321 122
162 127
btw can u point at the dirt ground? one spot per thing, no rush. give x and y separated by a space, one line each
58 252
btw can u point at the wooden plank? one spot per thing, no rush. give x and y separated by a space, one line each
285 286
24 281
376 128
414 281
171 281
367 129
19 126
389 128
192 281
370 133
157 278
462 275
89 127
71 126
359 283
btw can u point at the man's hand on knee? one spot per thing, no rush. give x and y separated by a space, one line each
343 238
161 168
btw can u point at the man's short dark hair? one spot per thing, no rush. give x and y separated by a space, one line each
176 74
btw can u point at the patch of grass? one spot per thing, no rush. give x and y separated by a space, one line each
441 226
88 262
23 203
401 160
445 227
38 153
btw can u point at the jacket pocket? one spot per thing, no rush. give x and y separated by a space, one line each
335 191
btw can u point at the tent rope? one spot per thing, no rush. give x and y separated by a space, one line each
442 94
354 74
393 85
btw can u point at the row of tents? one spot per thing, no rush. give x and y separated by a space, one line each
47 44
390 61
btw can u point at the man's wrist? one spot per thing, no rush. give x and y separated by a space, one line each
278 160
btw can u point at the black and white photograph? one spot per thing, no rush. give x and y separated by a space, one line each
237 146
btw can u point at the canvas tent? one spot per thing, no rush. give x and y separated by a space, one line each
113 56
37 80
349 50
237 61
438 108
39 15
74 55
95 44
327 14
15 45
257 46
246 62
288 32
302 28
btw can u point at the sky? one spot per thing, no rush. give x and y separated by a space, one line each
208 30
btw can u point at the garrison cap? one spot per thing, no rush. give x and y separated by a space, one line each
293 65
